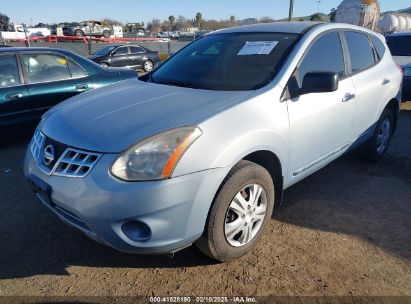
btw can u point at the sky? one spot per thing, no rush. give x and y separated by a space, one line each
49 11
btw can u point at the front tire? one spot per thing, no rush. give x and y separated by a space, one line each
79 33
375 148
241 210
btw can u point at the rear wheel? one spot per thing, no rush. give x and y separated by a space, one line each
106 34
148 66
239 214
79 33
376 147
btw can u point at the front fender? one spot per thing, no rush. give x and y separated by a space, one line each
259 124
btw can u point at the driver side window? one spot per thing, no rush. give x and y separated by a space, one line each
325 55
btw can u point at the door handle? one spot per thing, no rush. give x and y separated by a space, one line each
348 97
81 87
385 81
14 96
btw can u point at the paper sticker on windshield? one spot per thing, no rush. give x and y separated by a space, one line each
257 48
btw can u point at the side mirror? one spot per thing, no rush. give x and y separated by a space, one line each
113 54
319 82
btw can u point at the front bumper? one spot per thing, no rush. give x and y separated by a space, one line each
133 217
406 89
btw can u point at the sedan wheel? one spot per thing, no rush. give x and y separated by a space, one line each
148 66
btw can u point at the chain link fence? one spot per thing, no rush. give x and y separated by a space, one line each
85 49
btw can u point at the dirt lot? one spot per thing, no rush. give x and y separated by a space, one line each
344 231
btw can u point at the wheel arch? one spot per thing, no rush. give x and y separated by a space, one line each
270 161
394 106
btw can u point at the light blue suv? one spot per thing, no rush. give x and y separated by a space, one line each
200 150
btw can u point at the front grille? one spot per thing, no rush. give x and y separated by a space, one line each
37 144
75 163
67 161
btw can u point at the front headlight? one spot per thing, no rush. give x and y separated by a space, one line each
407 72
155 157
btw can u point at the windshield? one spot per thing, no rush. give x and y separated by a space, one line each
232 61
104 50
400 45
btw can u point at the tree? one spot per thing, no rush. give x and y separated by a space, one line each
316 17
332 14
199 20
112 22
232 18
5 24
154 26
41 25
266 19
172 21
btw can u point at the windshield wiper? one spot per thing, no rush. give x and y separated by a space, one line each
185 84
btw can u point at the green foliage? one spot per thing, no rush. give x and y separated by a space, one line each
4 22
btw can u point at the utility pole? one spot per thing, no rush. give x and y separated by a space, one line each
319 3
290 15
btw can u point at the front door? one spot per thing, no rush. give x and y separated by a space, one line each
120 57
15 114
320 123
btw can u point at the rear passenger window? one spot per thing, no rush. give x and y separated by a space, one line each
361 53
379 46
75 70
325 55
136 50
9 71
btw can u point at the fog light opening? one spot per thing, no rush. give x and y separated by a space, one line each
136 231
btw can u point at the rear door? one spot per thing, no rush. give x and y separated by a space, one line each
137 55
15 114
120 57
51 78
320 123
370 80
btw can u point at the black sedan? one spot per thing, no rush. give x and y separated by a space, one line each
131 56
32 80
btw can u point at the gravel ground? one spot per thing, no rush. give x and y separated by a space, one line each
346 230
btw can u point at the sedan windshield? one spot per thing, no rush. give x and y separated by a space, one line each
400 45
230 61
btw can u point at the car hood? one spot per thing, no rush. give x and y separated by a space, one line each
95 57
402 60
112 118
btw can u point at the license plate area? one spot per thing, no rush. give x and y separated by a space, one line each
41 188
